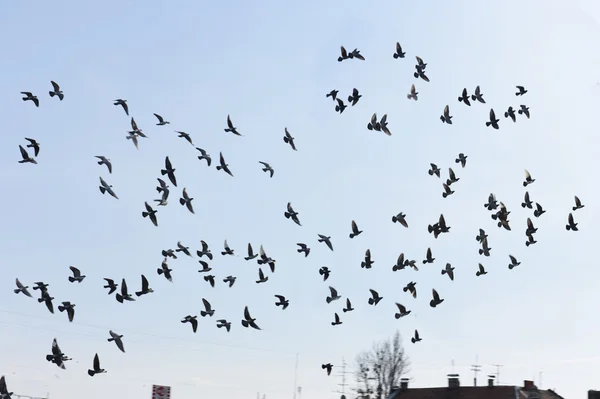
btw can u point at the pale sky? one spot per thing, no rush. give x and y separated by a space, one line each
269 64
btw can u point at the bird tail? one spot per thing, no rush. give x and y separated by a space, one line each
139 293
227 130
160 271
91 373
506 114
362 264
444 195
350 98
371 301
352 235
287 215
144 214
412 340
473 97
520 112
119 298
442 118
416 75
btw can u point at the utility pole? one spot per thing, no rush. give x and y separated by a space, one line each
498 372
475 368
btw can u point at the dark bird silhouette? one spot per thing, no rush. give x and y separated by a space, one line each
205 251
104 161
343 54
527 201
223 165
30 97
451 177
348 307
492 204
124 295
447 190
531 229
110 284
428 257
42 287
462 159
251 254
401 311
513 262
186 200
303 248
96 367
21 289
578 204
261 277
229 280
478 95
69 308
168 253
57 357
169 171
327 367
145 287
47 299
524 111
355 230
530 240
193 320
106 188
76 275
324 271
340 107
434 170
383 124
528 179
224 323
485 249
117 339
161 120
400 263
289 139
326 240
356 54
493 122
208 310
33 144
571 223
333 295
464 98
449 270
367 263
400 218
249 321
481 236
151 213
336 321
122 103
481 271
182 248
56 91
226 249
416 338
521 91
185 136
436 299
267 168
510 113
165 270
231 128
413 94
412 288
25 156
210 279
375 298
354 97
204 156
399 53
374 124
292 214
284 303
446 117
539 211
333 94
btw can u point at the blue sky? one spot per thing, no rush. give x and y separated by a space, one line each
269 65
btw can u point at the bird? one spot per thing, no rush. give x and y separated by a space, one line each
527 201
447 190
210 279
33 144
326 240
104 161
340 107
399 53
401 311
478 95
151 213
184 249
451 177
223 165
229 280
436 299
572 226
481 236
57 357
333 94
96 367
267 168
462 159
367 263
333 295
227 249
449 270
161 120
356 54
513 262
493 122
464 98
169 171
117 339
25 156
327 367
193 320
205 267
355 230
290 213
205 251
416 338
420 64
400 218
336 321
185 136
510 113
289 139
411 287
106 188
528 180
485 249
110 284
41 286
186 200
76 275
230 127
145 287
251 254
375 298
481 271
135 129
47 299
284 303
539 211
122 103
446 117
133 137
249 321
434 170
224 323
261 277
344 54
383 124
30 97
21 289
4 394
578 204
324 271
400 264
204 156
208 310
374 124
521 91
413 95
56 91
168 253
492 203
69 308
531 229
524 111
164 270
124 295
303 248
348 307
354 97
428 257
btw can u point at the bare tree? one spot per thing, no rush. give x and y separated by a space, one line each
380 368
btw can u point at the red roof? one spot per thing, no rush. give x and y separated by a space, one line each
484 392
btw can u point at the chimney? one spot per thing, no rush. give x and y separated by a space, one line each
491 381
404 383
528 385
453 381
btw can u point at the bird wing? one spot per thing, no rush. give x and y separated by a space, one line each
401 308
168 165
96 362
123 287
160 118
436 296
144 283
527 175
207 305
221 159
413 90
24 153
229 123
477 91
447 111
247 314
76 272
374 293
529 223
55 86
354 227
333 292
512 259
577 201
492 114
374 119
571 221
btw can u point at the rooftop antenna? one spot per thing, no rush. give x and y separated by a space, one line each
475 368
342 374
452 362
498 372
296 376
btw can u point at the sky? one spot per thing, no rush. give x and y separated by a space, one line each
269 65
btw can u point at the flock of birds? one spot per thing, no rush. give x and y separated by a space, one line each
498 209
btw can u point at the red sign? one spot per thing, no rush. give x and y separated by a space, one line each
161 392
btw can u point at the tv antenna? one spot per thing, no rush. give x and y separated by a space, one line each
342 374
498 366
475 368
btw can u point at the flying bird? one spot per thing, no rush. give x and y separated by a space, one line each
434 170
539 211
117 340
326 240
303 248
401 311
249 321
344 54
413 95
367 263
106 188
324 271
336 321
25 156
145 287
400 218
204 156
446 117
428 257
227 249
527 201
354 97
327 367
169 171
436 299
462 159
165 271
333 295
284 303
411 287
481 271
56 91
33 144
267 168
513 262
205 251
30 97
47 299
524 111
355 230
151 213
289 139
348 307
493 122
223 165
399 53
124 295
210 279
478 95
374 124
333 94
208 310
185 136
104 161
231 128
186 200
69 308
375 298
229 280
528 179
161 120
251 254
224 323
22 289
292 214
340 107
571 223
110 284
76 275
122 103
416 338
261 277
464 98
510 113
193 320
578 204
447 190
96 367
449 270
521 91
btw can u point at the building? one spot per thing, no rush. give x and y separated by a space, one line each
455 391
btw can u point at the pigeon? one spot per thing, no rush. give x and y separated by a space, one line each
493 122
135 129
145 287
229 280
348 307
356 54
4 394
367 263
163 187
521 91
284 303
344 54
289 139
492 204
326 240
69 307
400 218
354 97
530 240
25 156
133 137
208 310
96 369
117 340
122 103
434 170
56 91
462 159
249 321
151 213
481 236
355 230
513 262
110 284
451 177
478 95
164 270
124 295
327 367
205 267
411 287
57 357
446 117
106 188
41 286
168 253
399 263
231 128
33 144
399 53
182 248
291 214
436 299
524 111
401 311
204 155
267 168
336 321
531 229
464 98
340 107
510 113
572 226
251 254
375 298
416 338
104 161
428 257
224 323
373 124
528 179
210 279
227 249
333 94
261 277
383 124
420 69
539 211
578 204
161 120
481 271
449 270
186 200
30 97
485 249
527 201
169 171
333 295
47 299
324 271
303 248
205 251
22 289
193 320
413 95
223 165
447 190
185 136
76 275
264 259
420 64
